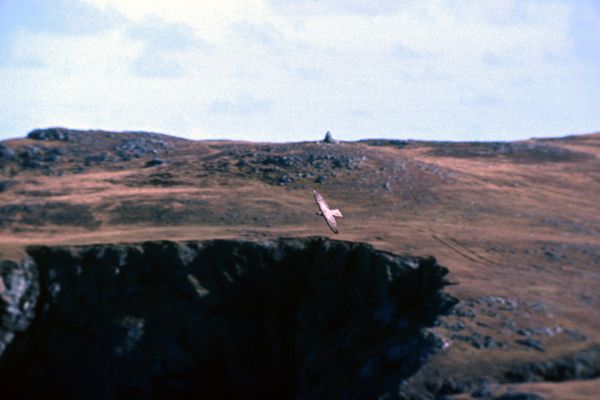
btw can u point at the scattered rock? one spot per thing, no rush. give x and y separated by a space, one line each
271 163
575 335
532 343
285 180
399 144
96 159
53 155
139 146
438 341
55 213
281 161
519 396
463 312
456 326
154 162
521 152
583 364
478 340
5 185
6 153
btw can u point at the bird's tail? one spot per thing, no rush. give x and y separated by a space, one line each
336 213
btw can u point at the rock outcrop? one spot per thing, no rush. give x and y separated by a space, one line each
294 318
59 134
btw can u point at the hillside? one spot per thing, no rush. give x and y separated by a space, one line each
517 225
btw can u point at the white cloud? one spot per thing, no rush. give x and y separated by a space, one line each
210 18
163 46
19 18
336 7
245 104
158 34
284 70
61 17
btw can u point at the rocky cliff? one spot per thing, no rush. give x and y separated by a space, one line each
293 318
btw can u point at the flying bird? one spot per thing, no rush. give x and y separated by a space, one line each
326 213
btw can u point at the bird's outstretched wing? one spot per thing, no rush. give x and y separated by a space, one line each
320 200
331 222
329 218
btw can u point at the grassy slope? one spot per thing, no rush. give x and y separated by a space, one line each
518 224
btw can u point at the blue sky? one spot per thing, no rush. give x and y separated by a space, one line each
284 70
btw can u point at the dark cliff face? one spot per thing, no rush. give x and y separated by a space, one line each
295 318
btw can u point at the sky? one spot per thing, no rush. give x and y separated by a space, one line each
287 70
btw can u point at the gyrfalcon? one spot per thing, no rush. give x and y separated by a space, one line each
326 213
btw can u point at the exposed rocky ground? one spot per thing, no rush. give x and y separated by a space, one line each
516 224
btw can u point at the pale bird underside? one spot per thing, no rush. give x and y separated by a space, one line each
326 212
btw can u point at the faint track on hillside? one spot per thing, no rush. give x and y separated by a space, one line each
462 250
473 252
